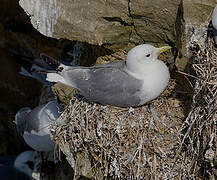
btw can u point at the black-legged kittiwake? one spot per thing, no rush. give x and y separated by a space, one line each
18 168
214 23
134 82
34 125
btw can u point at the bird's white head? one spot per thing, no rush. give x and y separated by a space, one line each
140 57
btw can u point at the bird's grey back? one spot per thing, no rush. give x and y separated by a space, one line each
106 84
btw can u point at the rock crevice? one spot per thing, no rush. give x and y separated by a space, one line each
133 25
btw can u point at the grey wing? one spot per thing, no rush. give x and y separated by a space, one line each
108 84
116 64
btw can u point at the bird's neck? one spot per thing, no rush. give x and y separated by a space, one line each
140 70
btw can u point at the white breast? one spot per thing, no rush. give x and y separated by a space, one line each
154 82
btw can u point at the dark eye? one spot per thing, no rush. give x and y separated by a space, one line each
148 55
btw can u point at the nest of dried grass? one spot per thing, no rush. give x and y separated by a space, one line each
198 132
153 141
121 142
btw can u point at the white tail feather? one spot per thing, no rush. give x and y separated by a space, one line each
54 77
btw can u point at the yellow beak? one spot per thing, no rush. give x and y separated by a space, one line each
163 49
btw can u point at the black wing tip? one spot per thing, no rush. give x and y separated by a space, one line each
45 71
53 63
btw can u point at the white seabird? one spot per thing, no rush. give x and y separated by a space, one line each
140 79
34 125
18 168
214 23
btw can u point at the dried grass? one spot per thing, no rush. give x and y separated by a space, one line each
198 132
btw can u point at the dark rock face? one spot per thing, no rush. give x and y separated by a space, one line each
18 38
16 90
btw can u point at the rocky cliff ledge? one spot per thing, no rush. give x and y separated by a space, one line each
116 23
180 131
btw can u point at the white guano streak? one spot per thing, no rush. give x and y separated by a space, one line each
43 14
